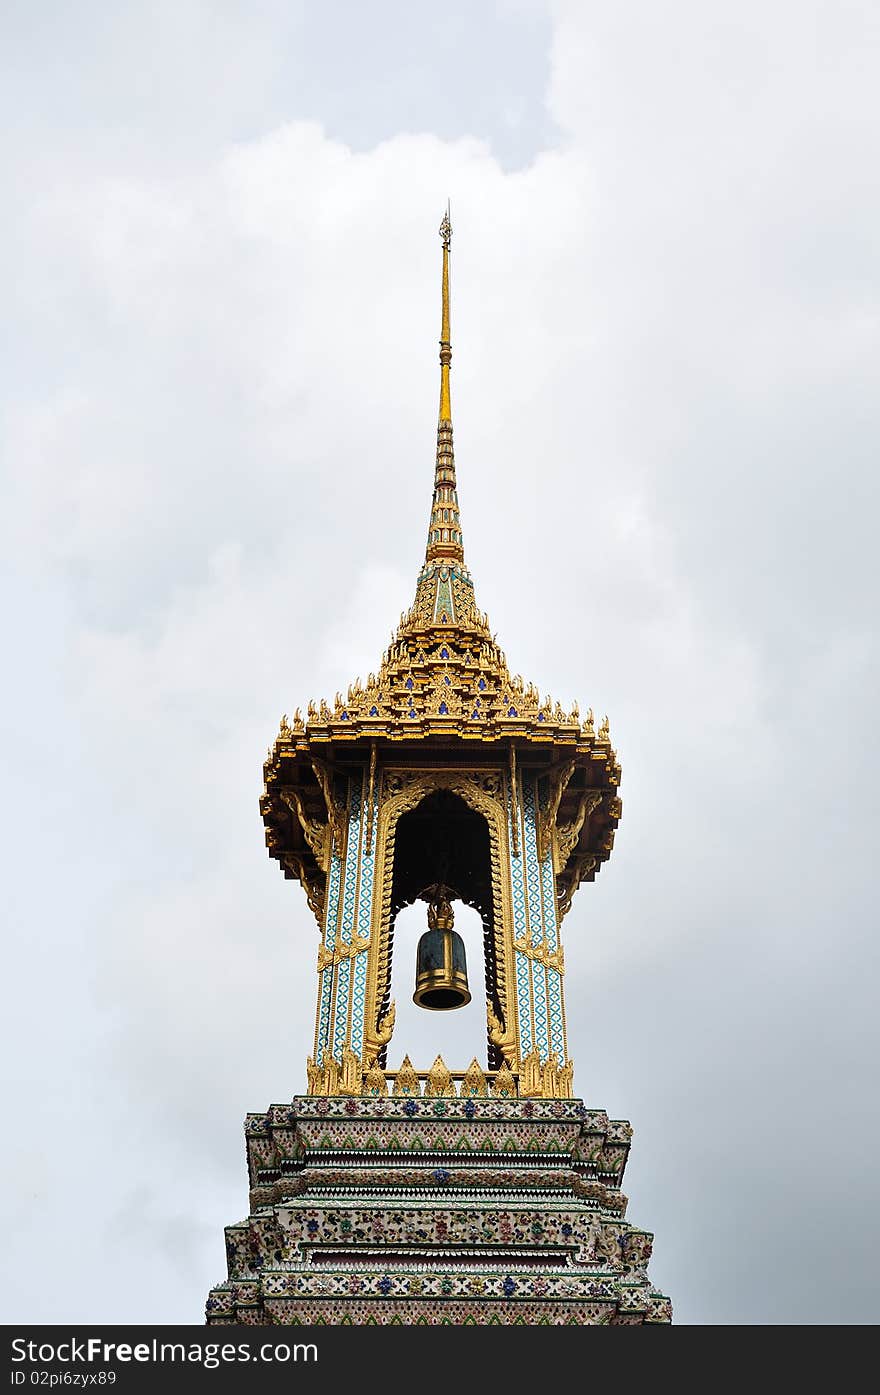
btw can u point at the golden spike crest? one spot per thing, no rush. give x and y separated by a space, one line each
439 1081
446 229
474 1082
406 1081
374 1082
504 1083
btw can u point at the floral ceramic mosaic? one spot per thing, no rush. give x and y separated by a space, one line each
372 1211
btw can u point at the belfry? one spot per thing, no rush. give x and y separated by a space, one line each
434 1193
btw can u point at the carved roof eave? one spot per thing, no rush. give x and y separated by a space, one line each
471 635
582 825
315 739
302 822
423 728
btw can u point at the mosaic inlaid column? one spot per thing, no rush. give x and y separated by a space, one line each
346 938
537 954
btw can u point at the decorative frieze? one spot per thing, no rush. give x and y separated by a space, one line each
419 1209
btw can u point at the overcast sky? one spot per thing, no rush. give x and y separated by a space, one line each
219 383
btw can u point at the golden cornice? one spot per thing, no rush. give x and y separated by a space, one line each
581 839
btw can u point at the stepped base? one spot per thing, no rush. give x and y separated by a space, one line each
397 1210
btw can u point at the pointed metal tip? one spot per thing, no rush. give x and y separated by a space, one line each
446 228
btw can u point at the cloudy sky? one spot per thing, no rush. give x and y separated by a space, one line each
219 384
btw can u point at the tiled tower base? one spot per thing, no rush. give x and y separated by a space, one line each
402 1210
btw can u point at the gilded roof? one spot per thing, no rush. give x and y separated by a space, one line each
444 672
444 680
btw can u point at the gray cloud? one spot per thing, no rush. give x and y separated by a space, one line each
220 390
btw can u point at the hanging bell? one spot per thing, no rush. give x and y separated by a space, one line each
441 970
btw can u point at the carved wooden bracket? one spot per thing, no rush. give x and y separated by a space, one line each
312 886
377 1040
581 868
316 834
335 815
504 1038
567 834
547 815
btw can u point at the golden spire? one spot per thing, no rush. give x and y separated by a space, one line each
444 534
445 341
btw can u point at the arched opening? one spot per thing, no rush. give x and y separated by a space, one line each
458 1036
443 842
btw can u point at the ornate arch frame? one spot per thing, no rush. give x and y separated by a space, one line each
402 789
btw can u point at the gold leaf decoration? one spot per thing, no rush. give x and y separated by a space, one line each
474 1082
374 1079
407 1082
350 1082
439 1079
504 1084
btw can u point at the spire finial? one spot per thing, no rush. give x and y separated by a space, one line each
445 340
446 228
444 534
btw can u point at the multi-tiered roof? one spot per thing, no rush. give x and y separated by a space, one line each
443 684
